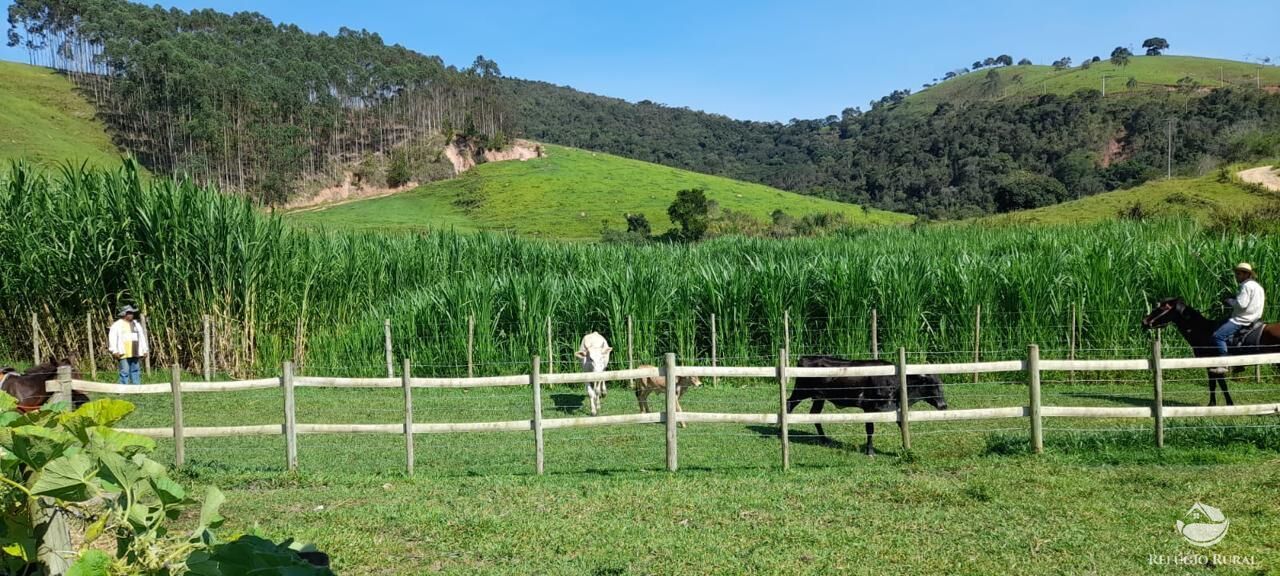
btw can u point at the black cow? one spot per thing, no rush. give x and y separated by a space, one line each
870 393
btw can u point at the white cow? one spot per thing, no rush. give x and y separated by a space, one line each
594 353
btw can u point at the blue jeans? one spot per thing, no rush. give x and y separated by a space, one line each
1224 333
129 371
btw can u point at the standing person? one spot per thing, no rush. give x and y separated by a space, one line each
128 343
1246 308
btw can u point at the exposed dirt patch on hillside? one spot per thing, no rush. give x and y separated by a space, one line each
464 157
1266 176
348 191
1114 151
460 156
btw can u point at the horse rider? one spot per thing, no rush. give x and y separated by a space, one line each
1246 308
128 344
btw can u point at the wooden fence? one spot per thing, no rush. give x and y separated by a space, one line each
1032 366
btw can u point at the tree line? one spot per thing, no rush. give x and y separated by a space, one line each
237 100
962 159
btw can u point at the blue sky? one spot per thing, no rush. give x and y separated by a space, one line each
772 60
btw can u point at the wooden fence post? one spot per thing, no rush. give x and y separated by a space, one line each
875 337
386 345
1071 342
179 434
471 345
714 360
535 379
903 400
64 386
551 351
786 329
290 418
208 350
631 359
783 361
407 384
1033 379
93 358
35 339
977 338
669 372
146 360
1157 404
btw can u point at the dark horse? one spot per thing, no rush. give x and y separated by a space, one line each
29 389
1198 332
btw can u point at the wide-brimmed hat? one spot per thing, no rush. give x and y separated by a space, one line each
1244 267
127 309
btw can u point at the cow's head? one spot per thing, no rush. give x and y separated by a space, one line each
594 359
689 382
928 388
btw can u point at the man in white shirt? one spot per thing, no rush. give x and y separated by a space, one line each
128 344
1246 308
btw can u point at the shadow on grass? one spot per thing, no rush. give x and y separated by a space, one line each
568 403
1130 400
1186 442
813 439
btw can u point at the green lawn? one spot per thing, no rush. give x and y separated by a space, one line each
969 499
1151 72
567 195
44 120
1199 198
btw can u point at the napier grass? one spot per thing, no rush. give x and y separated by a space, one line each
87 241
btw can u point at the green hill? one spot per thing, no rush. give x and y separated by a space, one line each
568 194
1148 72
1200 198
45 120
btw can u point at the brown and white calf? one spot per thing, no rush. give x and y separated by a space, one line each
646 386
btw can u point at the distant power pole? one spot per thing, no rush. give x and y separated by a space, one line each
1169 153
1104 85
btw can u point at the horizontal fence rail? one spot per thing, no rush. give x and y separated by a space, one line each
1030 368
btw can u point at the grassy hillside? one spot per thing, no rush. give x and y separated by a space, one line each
1150 72
567 195
45 120
1199 198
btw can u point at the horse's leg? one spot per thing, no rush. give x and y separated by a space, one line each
1226 396
1213 390
816 408
871 435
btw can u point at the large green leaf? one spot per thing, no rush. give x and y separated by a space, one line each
91 563
250 556
36 445
209 516
65 478
125 443
116 469
104 412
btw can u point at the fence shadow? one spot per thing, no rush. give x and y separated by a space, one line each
802 437
568 403
1130 400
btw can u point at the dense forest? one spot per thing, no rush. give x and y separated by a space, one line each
968 158
251 105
